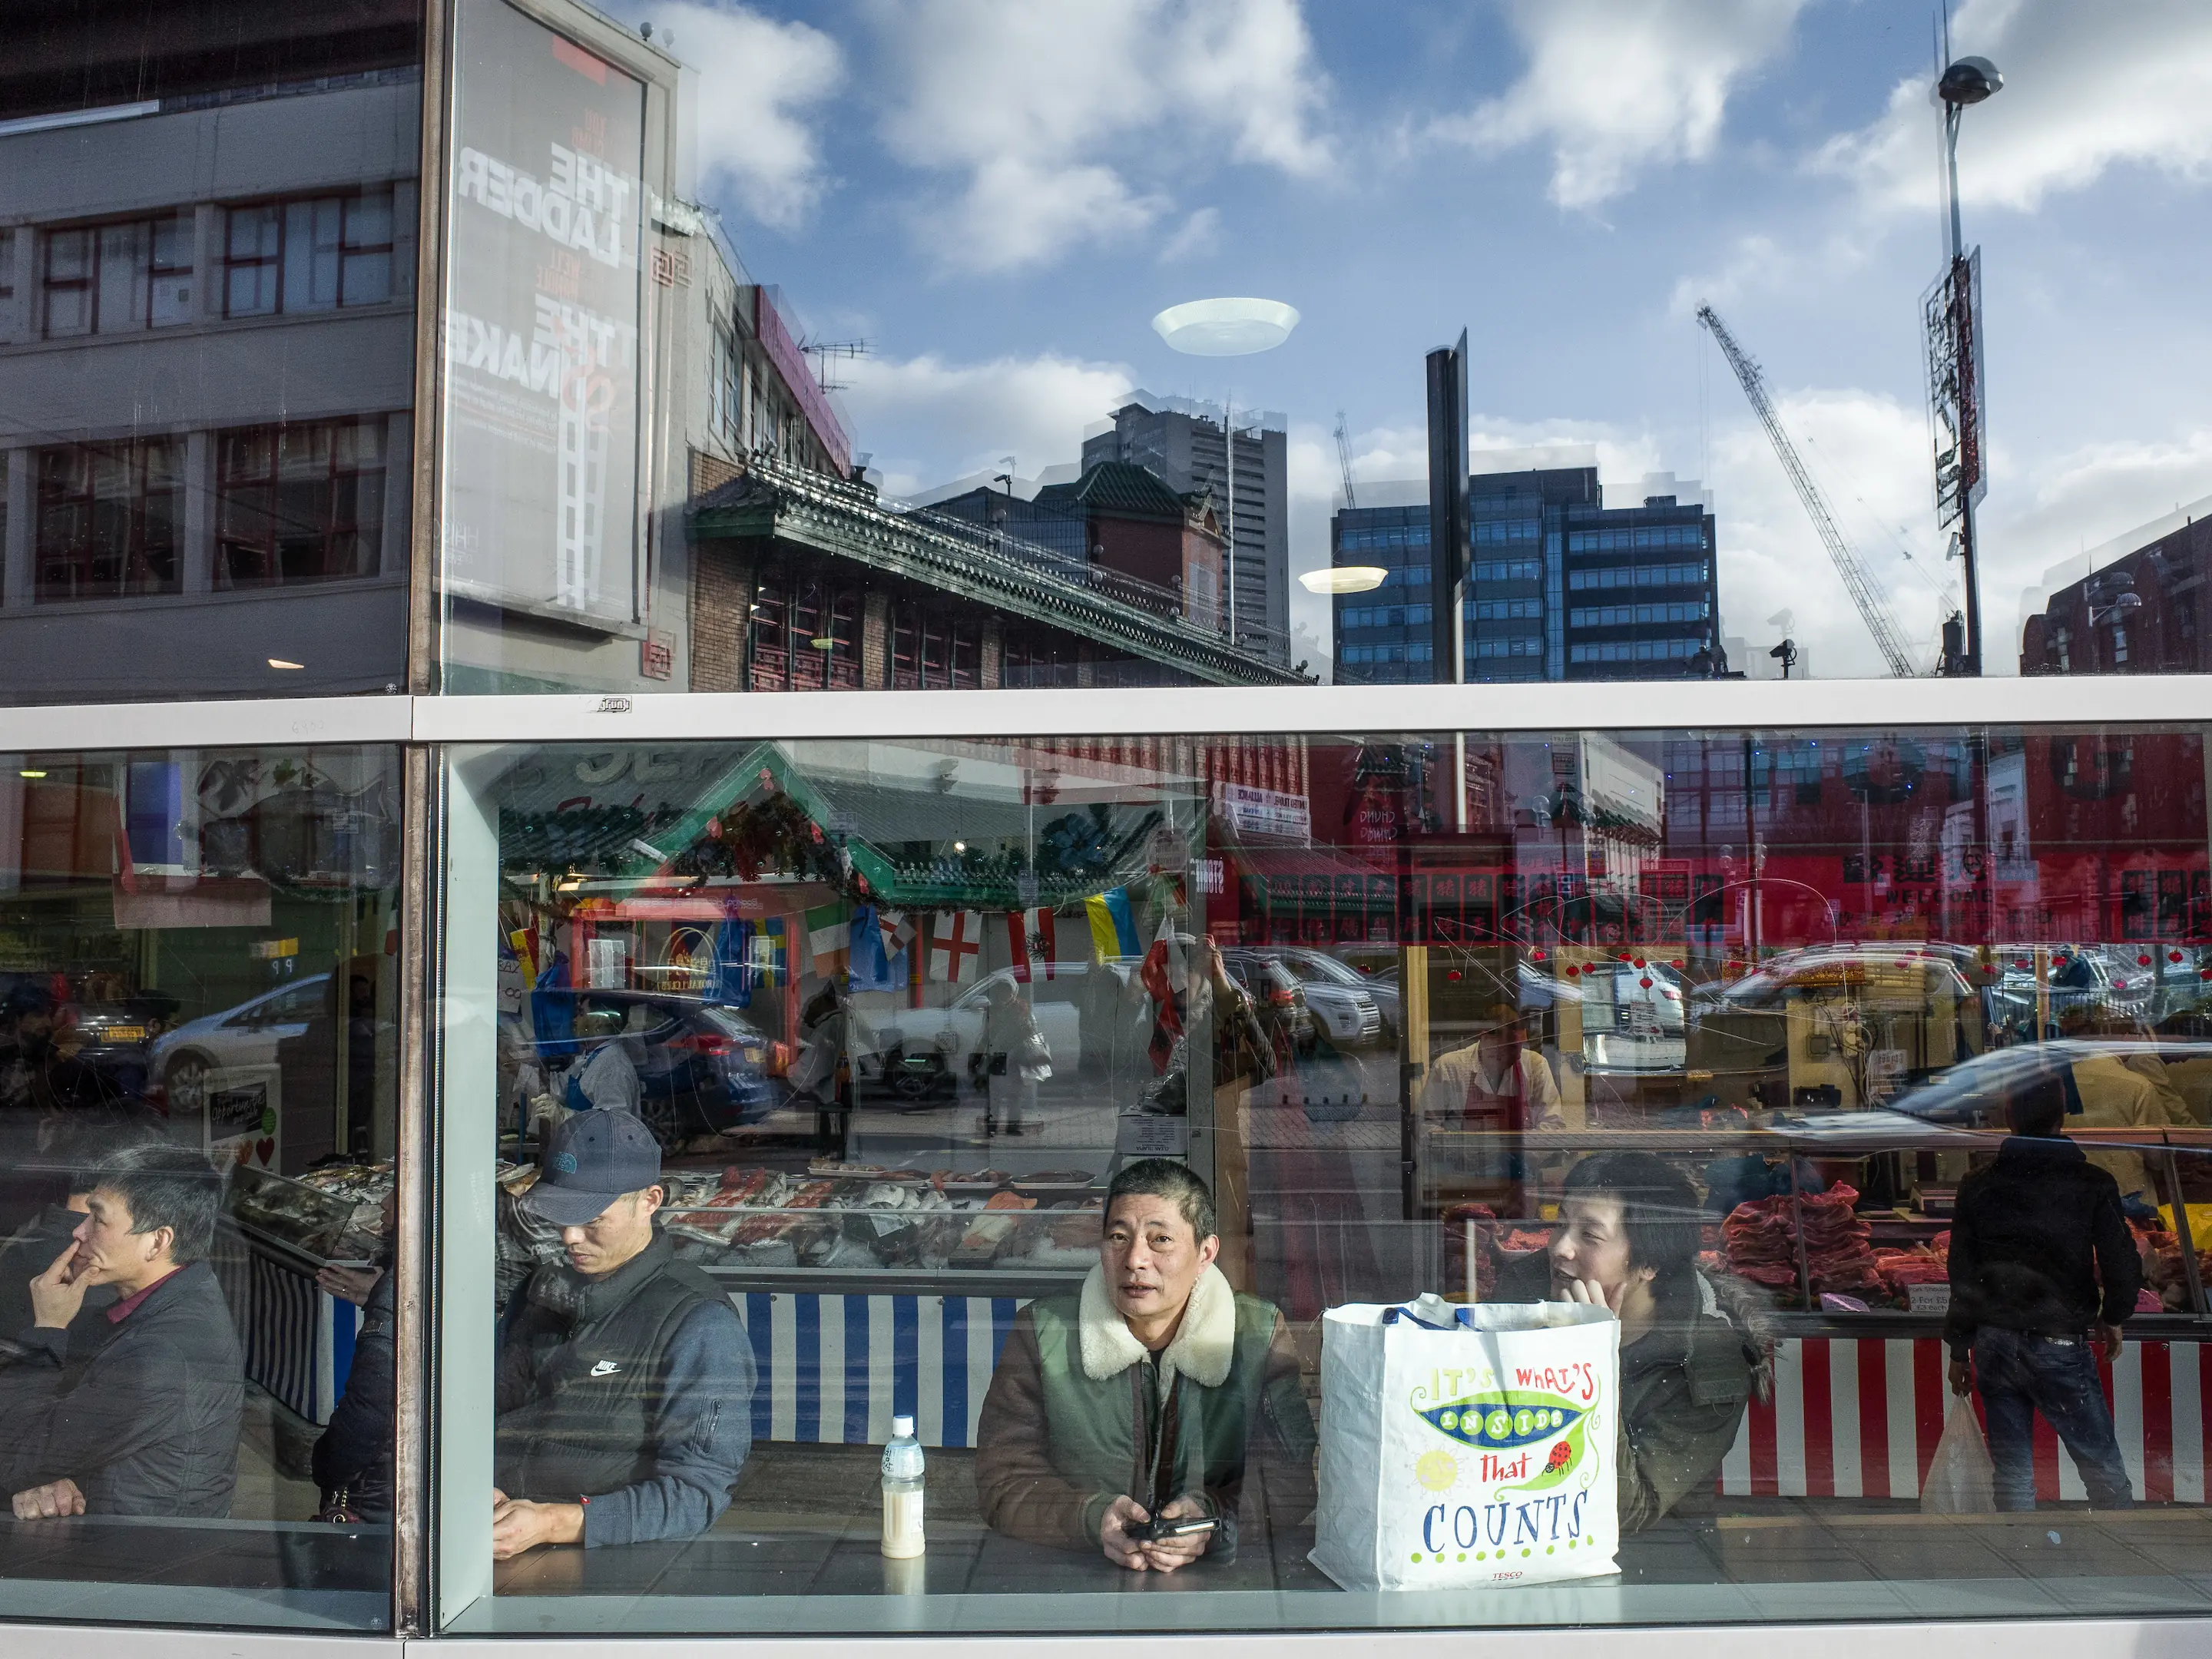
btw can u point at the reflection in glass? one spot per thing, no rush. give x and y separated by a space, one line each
198 1090
1758 1041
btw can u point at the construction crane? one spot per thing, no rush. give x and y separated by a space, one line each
1344 457
1873 609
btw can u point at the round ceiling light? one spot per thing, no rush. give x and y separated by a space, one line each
1344 579
1225 328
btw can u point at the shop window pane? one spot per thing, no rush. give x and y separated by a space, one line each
877 1028
198 1086
150 170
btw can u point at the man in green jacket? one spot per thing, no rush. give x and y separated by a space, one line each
1150 1401
1693 1348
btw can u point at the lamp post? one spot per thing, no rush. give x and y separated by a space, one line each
1966 80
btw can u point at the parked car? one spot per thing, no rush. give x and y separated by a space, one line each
918 1053
703 1067
2089 977
1343 1008
247 1035
1278 1000
1632 1018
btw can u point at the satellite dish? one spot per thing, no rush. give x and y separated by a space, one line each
1225 328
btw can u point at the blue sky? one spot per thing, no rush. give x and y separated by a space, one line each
998 194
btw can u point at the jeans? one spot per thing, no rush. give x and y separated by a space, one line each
2019 1375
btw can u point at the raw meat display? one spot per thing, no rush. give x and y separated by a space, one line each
1761 1238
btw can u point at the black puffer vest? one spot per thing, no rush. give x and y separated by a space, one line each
594 1353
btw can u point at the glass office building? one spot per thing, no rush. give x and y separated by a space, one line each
667 975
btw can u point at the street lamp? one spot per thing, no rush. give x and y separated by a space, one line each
1227 327
1966 80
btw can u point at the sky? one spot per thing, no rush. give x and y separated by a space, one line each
997 196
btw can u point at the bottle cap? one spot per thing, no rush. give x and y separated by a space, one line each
901 1428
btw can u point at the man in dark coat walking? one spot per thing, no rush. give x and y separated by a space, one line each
2040 1253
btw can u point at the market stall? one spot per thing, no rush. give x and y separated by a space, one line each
278 1235
1859 1289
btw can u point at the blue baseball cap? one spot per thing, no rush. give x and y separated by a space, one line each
590 1160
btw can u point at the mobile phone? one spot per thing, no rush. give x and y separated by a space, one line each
1151 1532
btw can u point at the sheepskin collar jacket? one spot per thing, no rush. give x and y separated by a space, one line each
1066 1427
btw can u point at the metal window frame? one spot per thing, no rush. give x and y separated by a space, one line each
425 726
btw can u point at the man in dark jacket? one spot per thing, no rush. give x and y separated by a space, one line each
2035 1236
1152 1397
625 1381
150 1424
1692 1349
352 1459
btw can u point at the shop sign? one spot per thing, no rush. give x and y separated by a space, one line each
544 307
1252 812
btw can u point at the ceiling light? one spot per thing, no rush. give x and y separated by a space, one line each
1225 328
821 641
279 662
1344 579
29 772
959 846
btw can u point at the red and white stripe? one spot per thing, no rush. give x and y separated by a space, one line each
1859 1417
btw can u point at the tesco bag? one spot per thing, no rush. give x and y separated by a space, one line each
1468 1446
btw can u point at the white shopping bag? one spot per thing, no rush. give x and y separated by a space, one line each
1468 1446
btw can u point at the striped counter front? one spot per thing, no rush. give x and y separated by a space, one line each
1859 1417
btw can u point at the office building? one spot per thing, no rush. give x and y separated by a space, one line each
1559 586
1179 442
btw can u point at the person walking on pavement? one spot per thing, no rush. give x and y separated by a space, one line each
2039 1255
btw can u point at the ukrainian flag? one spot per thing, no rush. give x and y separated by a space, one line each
1113 928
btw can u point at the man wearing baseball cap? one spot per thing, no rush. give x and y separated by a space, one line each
624 1387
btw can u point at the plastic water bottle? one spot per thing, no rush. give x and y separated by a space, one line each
902 1491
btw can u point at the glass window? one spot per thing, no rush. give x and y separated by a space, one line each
299 503
110 519
148 211
313 254
198 1090
1080 1099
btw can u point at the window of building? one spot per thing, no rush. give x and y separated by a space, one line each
907 903
299 503
312 253
118 278
111 520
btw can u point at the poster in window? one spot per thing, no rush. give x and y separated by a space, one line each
543 305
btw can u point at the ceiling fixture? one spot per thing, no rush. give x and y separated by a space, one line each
1225 328
1344 579
823 642
31 772
279 662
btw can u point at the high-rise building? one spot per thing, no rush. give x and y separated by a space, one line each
1559 586
1179 442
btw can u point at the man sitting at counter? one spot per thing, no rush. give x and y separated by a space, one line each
1691 1348
1142 1401
625 1381
149 1424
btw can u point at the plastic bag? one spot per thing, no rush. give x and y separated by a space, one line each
1961 1480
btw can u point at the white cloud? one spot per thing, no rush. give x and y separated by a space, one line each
1869 453
930 420
2079 501
757 78
2087 88
1200 235
1045 113
1617 86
